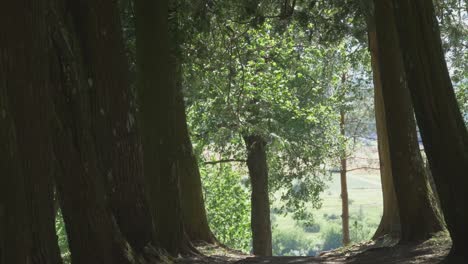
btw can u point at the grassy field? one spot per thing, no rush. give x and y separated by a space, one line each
365 205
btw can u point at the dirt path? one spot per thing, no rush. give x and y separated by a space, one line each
428 252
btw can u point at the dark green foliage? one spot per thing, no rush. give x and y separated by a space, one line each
308 225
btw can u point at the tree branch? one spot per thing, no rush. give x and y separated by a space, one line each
363 168
223 161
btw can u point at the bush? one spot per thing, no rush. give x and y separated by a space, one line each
331 217
359 230
227 204
313 228
332 239
309 226
292 243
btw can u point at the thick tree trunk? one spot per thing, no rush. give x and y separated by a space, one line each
344 186
28 225
157 113
2 229
93 234
414 195
192 202
260 202
390 222
117 143
443 131
2 213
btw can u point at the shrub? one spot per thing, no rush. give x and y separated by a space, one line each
292 243
309 226
359 230
331 217
227 204
332 239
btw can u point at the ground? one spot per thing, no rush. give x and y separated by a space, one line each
382 252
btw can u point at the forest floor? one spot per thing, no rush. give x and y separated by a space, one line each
428 252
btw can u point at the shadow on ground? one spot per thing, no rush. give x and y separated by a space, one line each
428 252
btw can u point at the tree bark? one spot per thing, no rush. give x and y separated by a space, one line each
260 202
2 213
344 185
115 135
443 131
27 213
93 234
156 86
390 222
414 195
192 202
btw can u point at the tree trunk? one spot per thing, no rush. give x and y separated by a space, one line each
117 143
93 234
192 202
156 83
344 186
2 211
28 222
2 231
414 195
390 222
443 131
260 214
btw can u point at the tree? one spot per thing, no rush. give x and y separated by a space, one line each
413 192
390 222
257 83
443 131
192 202
27 219
156 90
260 214
344 185
93 234
113 119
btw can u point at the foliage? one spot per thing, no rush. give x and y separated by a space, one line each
359 229
276 68
245 81
227 203
292 243
62 238
308 225
452 16
332 238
